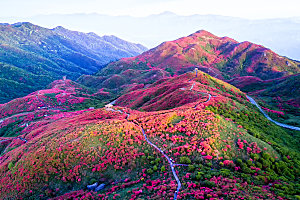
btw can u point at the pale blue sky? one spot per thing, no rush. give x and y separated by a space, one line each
254 9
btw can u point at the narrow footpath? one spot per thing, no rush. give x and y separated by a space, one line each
269 118
20 138
170 161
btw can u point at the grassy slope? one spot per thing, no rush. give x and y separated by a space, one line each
61 97
279 95
174 92
231 148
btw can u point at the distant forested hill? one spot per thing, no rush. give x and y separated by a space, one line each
31 56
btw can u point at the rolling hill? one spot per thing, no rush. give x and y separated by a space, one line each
279 97
209 142
31 57
167 131
220 57
61 97
173 92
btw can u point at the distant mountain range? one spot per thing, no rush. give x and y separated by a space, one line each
280 35
31 56
167 131
220 57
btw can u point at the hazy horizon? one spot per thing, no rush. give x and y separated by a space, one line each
271 23
281 35
14 18
256 9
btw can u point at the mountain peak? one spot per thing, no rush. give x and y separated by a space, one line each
78 53
166 13
204 33
220 57
59 28
27 24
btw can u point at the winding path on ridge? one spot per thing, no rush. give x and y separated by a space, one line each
11 139
31 112
26 113
209 95
14 115
20 138
264 113
170 161
172 165
269 118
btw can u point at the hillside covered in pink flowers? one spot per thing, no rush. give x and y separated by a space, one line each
220 57
154 127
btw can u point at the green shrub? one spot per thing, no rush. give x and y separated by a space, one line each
285 159
11 165
157 160
199 175
254 156
191 168
283 178
256 188
176 119
149 171
260 178
297 197
246 169
265 164
266 156
185 160
170 70
146 98
150 158
225 172
208 184
249 163
207 176
92 181
246 177
239 162
258 164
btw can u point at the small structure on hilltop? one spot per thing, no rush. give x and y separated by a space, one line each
196 71
64 78
108 106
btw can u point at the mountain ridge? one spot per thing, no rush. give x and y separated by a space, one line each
220 147
221 57
276 34
35 56
155 126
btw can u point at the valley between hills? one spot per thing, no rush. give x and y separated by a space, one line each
200 117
